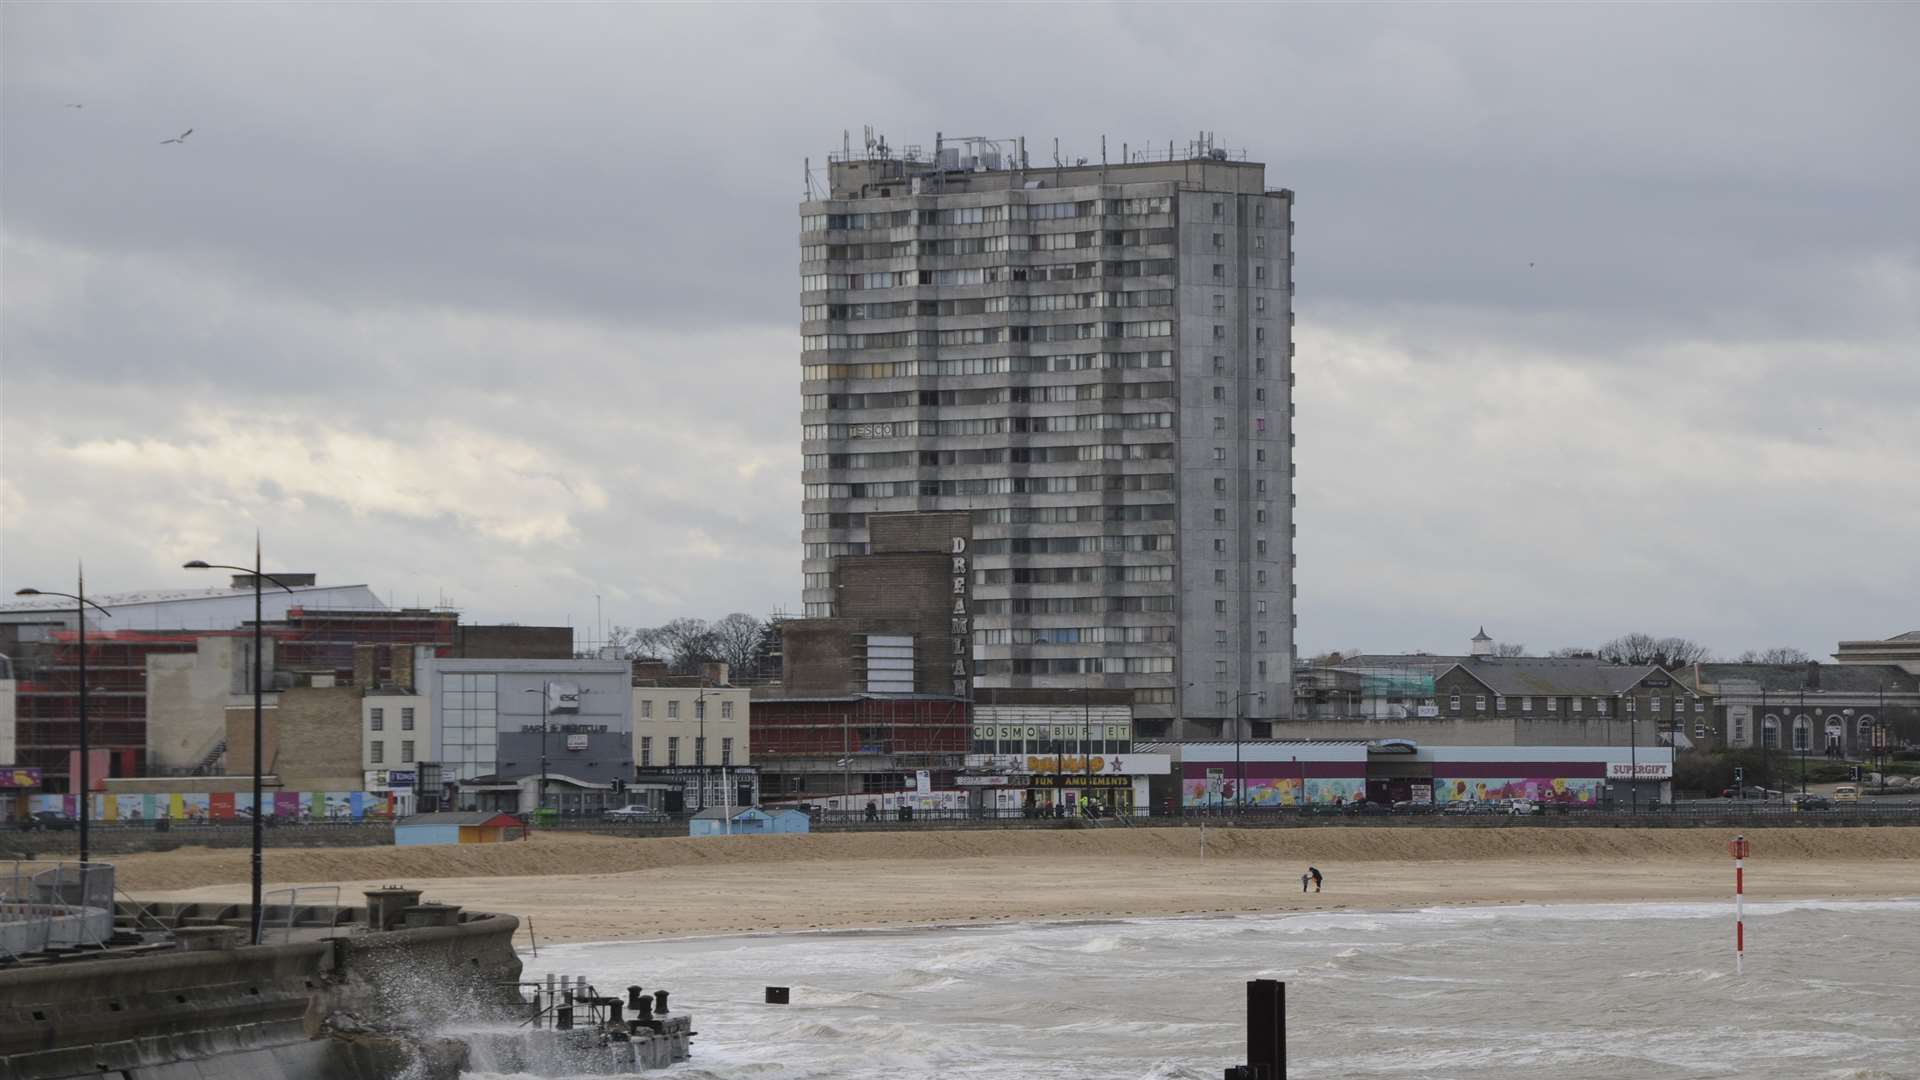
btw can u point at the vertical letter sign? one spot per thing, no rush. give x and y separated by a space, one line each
962 620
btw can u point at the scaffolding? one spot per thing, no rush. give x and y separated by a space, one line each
861 736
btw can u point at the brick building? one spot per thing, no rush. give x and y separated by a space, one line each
1573 702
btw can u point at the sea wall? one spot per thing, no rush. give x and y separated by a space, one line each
255 1013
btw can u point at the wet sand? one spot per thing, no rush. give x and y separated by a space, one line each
578 888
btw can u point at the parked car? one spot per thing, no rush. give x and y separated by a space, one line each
1408 806
634 813
1846 793
1363 806
1812 802
48 819
1523 807
1470 807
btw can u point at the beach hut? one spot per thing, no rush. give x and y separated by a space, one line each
747 821
471 827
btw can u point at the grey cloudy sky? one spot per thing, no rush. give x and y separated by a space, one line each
498 303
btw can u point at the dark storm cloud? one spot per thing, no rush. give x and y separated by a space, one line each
566 234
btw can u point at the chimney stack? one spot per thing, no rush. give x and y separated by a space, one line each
1813 674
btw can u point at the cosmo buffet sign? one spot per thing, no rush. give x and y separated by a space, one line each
1645 770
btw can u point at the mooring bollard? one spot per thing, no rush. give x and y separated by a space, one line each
633 997
776 995
660 1002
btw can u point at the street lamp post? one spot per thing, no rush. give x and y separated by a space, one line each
80 606
546 700
700 742
1803 742
1239 767
540 797
259 757
1633 760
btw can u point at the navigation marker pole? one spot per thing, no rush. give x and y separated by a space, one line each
1737 847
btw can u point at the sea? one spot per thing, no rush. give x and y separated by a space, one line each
1586 992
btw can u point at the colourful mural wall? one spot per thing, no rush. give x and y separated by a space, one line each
199 806
1549 789
1265 791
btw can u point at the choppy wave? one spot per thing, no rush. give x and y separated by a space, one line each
1599 992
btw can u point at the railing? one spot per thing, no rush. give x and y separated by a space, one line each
66 905
294 908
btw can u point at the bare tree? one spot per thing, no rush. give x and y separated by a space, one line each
685 644
1572 652
1780 654
1509 648
736 640
1637 649
634 642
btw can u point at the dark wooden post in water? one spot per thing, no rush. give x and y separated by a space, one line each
1266 1032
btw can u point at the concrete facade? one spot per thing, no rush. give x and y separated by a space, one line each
1094 363
187 699
1901 650
487 715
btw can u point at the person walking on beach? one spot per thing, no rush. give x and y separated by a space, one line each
1304 879
1314 872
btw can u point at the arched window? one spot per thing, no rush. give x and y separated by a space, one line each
1865 725
1802 733
1770 732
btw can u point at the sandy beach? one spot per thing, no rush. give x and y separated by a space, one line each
595 888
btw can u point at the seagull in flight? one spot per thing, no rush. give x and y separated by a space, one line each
71 106
182 137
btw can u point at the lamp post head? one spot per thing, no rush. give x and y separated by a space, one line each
197 564
26 592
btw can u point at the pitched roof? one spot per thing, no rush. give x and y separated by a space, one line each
1420 661
721 813
1525 676
1792 678
461 817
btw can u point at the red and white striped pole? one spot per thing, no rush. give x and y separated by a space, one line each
1737 847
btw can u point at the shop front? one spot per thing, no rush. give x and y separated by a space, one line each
1058 784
